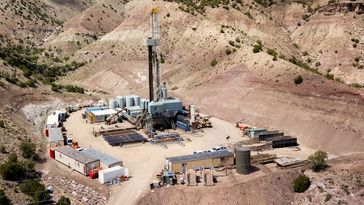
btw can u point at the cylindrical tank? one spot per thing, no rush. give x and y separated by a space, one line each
193 113
136 100
142 103
129 101
164 93
121 101
242 155
112 104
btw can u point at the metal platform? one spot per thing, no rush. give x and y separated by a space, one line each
124 138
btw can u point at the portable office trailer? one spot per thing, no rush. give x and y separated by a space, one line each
200 160
55 138
100 115
75 160
106 161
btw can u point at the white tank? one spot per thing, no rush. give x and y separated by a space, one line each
136 100
129 101
143 103
121 101
112 104
193 113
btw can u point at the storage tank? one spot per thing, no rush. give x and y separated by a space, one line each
129 101
112 104
143 103
242 155
136 100
121 101
192 113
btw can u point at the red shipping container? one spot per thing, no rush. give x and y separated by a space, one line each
51 153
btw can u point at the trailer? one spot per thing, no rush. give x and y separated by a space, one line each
110 174
75 160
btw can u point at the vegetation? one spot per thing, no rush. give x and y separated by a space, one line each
68 88
36 190
273 53
13 169
318 161
265 3
213 63
2 149
298 80
63 201
28 60
258 47
301 183
199 6
3 199
228 51
2 124
28 150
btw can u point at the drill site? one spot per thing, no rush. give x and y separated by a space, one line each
134 144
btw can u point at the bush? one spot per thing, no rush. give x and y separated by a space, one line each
63 201
36 190
228 51
3 199
318 161
2 148
272 52
2 124
298 80
12 169
213 62
295 45
257 48
301 183
28 150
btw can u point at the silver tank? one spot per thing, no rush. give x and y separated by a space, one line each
242 155
112 104
136 100
121 101
129 101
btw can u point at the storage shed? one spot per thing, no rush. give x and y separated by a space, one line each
76 160
100 115
106 161
110 174
56 138
200 160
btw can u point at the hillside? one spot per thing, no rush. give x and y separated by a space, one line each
209 58
236 60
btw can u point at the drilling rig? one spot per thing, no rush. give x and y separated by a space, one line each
162 110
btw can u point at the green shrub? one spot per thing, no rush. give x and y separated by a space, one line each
298 80
275 58
356 59
213 63
318 161
272 52
301 183
28 150
2 124
330 76
295 45
228 51
63 201
36 190
12 169
257 47
2 148
3 198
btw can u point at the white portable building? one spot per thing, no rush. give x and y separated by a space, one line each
76 160
52 120
107 175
